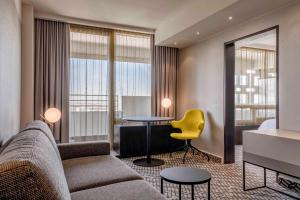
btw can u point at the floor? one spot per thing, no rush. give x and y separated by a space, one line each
226 179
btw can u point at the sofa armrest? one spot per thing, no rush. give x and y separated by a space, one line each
83 149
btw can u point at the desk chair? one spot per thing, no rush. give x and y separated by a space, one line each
191 125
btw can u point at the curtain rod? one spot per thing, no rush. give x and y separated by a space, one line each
71 20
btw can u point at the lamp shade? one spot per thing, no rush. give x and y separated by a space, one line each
166 103
52 115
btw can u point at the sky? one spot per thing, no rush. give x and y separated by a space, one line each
90 77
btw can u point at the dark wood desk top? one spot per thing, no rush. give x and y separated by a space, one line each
148 119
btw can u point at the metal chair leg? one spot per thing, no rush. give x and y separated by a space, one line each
188 145
196 149
207 156
186 151
201 152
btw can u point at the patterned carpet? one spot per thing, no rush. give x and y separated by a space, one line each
226 179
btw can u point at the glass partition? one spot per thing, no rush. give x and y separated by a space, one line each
255 79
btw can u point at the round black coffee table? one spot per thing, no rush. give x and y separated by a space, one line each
186 176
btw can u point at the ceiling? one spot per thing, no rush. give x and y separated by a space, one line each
241 11
140 13
175 22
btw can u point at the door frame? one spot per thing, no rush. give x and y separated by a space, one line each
229 100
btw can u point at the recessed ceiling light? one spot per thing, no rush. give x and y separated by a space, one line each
198 33
175 43
230 17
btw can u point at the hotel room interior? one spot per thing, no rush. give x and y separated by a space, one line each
149 100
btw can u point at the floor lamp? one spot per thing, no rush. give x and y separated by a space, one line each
51 116
166 103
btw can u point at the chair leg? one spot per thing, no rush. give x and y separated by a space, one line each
188 145
200 152
207 156
195 149
186 151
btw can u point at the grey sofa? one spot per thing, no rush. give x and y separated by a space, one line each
33 166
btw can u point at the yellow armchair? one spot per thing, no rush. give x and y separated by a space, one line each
191 126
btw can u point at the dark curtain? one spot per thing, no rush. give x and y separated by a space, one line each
164 79
52 57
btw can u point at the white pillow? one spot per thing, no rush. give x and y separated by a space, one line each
268 124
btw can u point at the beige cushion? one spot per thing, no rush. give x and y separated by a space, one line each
129 190
89 172
31 169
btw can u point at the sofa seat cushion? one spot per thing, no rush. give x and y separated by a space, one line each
128 190
89 172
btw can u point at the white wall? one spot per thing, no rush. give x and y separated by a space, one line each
27 77
10 67
201 75
200 86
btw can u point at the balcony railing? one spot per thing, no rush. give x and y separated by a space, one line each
89 116
253 114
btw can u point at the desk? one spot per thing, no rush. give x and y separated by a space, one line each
275 150
130 139
148 161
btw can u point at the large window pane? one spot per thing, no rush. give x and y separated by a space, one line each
89 84
132 74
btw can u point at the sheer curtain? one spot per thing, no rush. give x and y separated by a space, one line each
132 74
255 83
89 83
110 75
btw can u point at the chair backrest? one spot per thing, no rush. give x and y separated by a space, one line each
192 121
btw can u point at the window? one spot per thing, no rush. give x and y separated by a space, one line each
243 80
132 74
255 87
91 85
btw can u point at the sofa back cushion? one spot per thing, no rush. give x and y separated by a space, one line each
43 128
31 169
